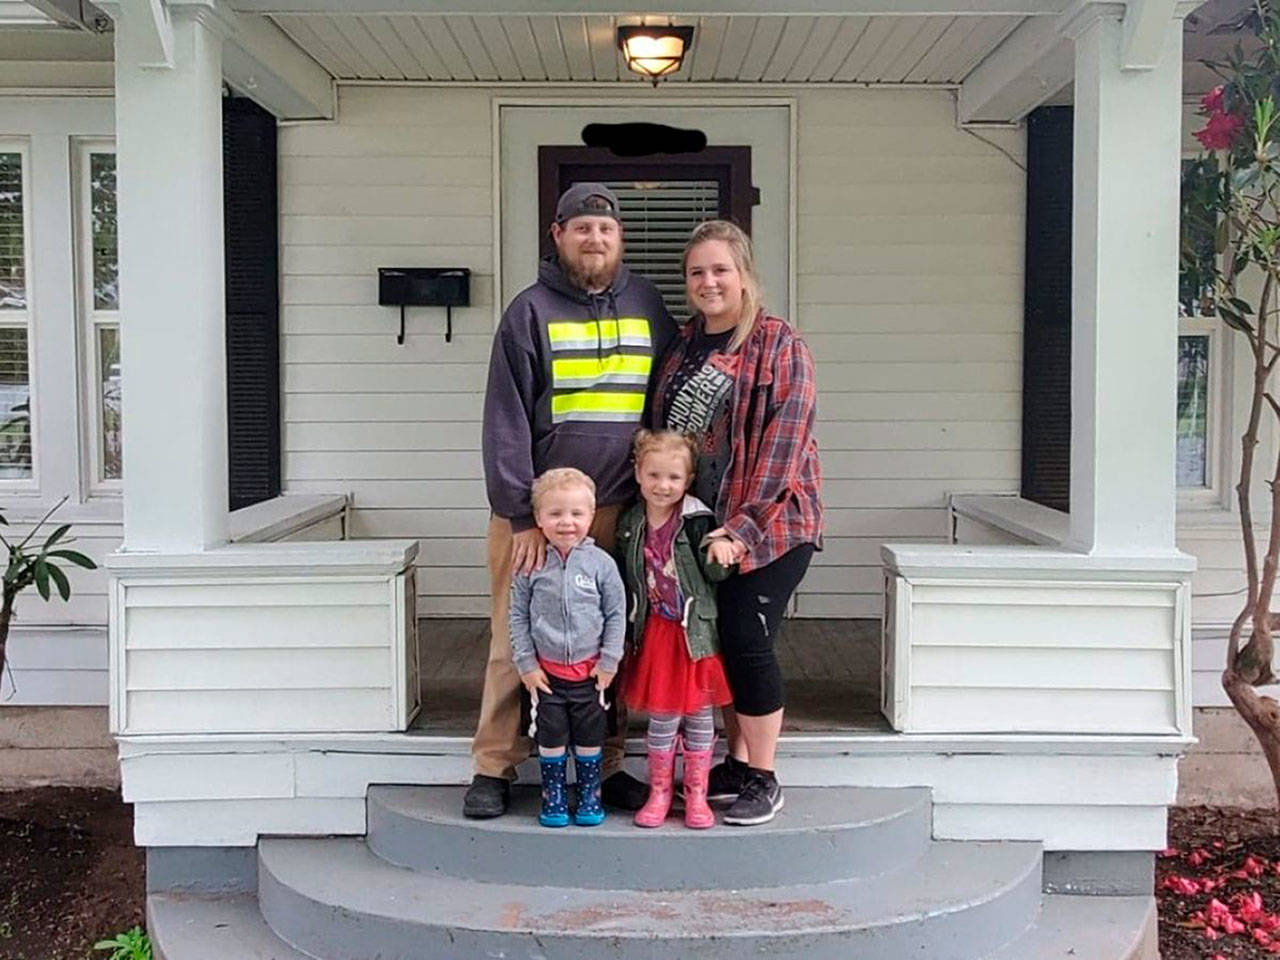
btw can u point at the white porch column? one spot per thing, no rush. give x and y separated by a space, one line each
169 142
1124 293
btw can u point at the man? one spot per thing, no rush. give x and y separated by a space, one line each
567 381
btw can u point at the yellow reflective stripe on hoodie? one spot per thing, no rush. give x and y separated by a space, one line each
571 334
625 406
588 371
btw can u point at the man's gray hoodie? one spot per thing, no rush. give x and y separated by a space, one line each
571 610
568 379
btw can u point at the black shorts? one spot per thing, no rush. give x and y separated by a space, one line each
570 713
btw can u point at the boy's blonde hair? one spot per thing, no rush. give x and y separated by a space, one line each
558 478
649 441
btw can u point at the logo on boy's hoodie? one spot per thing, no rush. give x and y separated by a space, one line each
584 582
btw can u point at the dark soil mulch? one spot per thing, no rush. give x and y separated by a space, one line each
69 872
1218 885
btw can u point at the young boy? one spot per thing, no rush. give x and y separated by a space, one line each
568 621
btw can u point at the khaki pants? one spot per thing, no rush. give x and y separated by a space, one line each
499 744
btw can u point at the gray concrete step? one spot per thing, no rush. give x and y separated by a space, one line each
1085 928
227 927
337 900
836 833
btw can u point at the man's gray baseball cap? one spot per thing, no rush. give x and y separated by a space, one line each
589 200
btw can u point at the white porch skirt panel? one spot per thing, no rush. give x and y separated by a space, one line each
272 637
1032 639
1079 793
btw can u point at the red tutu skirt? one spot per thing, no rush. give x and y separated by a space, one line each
664 680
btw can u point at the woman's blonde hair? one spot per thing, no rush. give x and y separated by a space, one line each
650 441
740 249
559 478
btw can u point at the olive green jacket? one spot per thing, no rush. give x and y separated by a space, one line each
696 573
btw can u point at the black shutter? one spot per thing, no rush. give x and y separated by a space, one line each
253 301
1046 358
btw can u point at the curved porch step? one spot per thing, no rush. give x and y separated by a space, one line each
1080 928
188 927
337 900
834 833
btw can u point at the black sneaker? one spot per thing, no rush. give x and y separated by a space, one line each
725 782
486 798
760 800
623 791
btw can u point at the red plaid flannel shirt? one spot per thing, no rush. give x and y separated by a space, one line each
771 499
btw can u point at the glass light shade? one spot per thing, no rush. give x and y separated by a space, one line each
654 52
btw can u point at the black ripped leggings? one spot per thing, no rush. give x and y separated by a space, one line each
751 606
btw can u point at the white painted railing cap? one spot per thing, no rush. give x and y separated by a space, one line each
322 558
1028 562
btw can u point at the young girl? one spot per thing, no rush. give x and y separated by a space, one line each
675 672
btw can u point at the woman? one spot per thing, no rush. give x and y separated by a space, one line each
743 382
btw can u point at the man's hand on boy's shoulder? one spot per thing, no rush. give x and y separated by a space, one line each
528 551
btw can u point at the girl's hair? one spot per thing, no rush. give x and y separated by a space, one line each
649 441
740 249
557 479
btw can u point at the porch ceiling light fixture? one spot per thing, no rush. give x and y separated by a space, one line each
654 51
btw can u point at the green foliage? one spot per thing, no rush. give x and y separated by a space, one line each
42 566
133 944
1232 192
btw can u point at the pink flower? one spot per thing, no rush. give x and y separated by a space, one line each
1211 934
1170 852
1211 102
1218 134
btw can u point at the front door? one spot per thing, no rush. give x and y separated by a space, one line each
743 175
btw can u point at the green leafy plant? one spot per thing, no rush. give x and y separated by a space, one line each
28 564
133 944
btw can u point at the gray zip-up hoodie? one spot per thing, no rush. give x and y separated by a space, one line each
571 610
568 377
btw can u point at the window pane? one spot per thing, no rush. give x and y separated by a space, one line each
1193 410
15 405
658 217
109 380
13 265
102 201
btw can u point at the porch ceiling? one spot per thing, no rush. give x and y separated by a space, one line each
547 47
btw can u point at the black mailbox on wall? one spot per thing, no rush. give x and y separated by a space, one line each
446 287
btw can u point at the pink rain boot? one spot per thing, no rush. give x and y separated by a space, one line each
661 788
697 767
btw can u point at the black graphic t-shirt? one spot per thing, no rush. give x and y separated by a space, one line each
697 400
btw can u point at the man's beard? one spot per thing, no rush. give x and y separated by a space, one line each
586 278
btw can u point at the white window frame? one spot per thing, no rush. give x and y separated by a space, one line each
25 319
1215 491
91 320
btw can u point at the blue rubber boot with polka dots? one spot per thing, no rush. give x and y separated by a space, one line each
555 795
589 812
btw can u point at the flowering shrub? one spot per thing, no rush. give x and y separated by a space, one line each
1234 196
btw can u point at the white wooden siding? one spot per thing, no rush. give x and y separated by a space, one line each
909 273
201 651
1079 656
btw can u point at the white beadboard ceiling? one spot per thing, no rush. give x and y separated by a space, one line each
793 49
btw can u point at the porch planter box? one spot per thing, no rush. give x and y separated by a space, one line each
1031 639
264 638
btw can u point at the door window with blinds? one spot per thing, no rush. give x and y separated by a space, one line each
99 273
17 454
661 199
